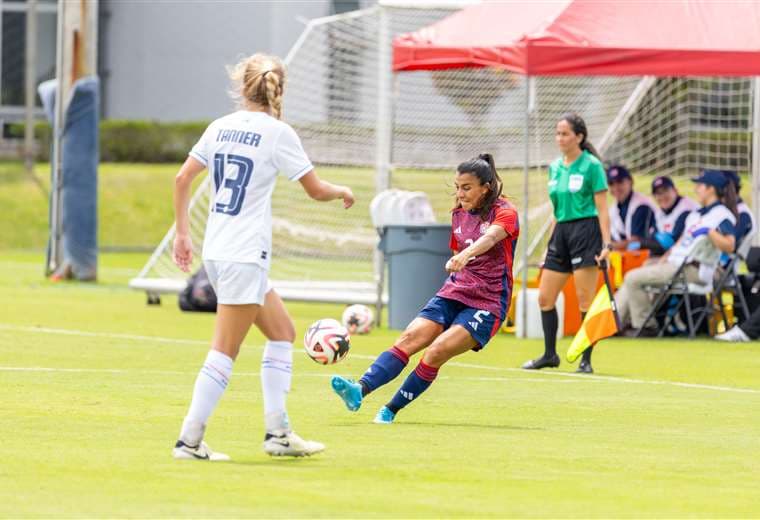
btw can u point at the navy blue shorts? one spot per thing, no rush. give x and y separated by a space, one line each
482 325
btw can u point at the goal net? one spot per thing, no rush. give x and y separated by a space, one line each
441 118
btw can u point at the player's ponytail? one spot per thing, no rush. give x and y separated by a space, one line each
484 168
259 80
729 197
578 126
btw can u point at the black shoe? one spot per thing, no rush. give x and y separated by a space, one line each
585 368
542 362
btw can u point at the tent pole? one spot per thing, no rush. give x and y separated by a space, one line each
755 166
383 138
524 224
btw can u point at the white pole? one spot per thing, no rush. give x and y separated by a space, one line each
30 80
383 136
755 169
384 103
526 203
55 257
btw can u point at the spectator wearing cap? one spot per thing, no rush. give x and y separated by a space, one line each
745 222
669 216
632 218
716 220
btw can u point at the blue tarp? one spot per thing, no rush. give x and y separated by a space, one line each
79 198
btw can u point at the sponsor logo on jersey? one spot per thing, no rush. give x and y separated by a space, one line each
458 230
484 227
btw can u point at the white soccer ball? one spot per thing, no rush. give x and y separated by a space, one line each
327 341
358 319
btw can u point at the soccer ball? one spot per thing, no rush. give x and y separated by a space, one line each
326 341
358 319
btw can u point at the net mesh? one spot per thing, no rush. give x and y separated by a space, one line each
441 118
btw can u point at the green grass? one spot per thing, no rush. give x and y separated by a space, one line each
103 381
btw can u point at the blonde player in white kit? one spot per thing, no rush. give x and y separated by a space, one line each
244 151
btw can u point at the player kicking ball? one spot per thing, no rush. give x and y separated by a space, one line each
469 308
244 151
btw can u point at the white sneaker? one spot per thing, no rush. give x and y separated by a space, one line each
734 334
200 452
290 445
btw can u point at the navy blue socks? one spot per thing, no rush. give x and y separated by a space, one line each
386 368
416 383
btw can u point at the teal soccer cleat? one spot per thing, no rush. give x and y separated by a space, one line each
384 416
349 391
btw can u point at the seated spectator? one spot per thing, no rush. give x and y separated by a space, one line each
632 218
745 222
670 216
715 219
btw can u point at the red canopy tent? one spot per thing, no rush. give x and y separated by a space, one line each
594 38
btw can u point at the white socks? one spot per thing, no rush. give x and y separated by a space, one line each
276 372
209 387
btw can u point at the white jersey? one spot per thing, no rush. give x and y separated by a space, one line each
243 152
666 222
711 217
620 230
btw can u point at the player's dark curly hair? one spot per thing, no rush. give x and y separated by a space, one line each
578 125
484 168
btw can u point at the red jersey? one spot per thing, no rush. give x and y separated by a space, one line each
486 281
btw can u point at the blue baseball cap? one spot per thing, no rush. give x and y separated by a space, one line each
732 176
617 172
662 182
715 178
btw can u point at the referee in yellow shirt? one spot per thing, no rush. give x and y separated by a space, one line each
581 235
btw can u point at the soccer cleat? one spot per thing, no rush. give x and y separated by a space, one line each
584 368
290 445
734 334
350 392
542 362
200 452
384 416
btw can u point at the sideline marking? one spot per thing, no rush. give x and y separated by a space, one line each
176 341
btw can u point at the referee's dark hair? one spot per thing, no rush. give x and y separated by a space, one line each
484 168
578 125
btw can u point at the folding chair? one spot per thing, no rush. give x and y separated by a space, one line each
703 252
728 281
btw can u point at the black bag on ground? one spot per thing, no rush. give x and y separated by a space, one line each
199 295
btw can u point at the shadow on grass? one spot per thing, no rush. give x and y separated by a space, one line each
472 425
402 423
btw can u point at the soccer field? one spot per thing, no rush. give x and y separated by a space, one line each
95 385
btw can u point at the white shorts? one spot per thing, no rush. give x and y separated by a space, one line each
237 283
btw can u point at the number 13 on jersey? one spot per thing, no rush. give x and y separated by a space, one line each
236 185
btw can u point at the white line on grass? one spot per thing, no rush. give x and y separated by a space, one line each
256 374
539 374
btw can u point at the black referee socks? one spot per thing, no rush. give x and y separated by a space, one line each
586 353
550 323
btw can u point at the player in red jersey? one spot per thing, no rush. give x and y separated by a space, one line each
467 311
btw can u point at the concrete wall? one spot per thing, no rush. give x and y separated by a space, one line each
165 60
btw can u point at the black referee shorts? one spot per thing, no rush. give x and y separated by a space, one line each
574 245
